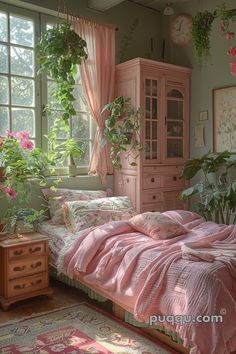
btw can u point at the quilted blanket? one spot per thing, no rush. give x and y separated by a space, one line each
153 280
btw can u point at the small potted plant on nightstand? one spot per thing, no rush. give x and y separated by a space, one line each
122 131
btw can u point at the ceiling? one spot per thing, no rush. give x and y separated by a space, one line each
104 5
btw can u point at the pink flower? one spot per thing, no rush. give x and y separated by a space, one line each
22 136
10 134
27 144
2 187
11 193
229 35
233 68
232 51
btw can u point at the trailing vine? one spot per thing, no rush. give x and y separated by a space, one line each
202 27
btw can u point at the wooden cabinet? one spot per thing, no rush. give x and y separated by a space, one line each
162 92
23 268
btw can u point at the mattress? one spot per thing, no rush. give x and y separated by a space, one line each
57 239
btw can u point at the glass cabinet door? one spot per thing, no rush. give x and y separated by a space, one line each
174 122
151 120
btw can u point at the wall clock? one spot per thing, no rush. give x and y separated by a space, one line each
181 30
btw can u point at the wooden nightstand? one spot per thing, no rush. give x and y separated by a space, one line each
23 268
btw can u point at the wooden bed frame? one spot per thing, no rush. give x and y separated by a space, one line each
119 312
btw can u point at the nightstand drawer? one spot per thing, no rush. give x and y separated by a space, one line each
28 250
26 267
27 284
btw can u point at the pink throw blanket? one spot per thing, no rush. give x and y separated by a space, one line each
149 277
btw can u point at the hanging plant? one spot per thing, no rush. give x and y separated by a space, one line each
201 30
60 49
122 131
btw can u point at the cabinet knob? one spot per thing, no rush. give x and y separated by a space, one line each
36 249
152 179
154 197
19 286
174 178
19 269
18 252
36 265
127 180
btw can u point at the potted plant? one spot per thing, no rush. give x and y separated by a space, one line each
74 150
60 50
21 162
201 30
216 191
122 131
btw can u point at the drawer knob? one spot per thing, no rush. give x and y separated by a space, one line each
19 269
33 283
36 265
174 178
127 180
36 249
154 197
18 252
152 179
19 286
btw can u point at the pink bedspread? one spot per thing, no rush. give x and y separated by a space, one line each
149 277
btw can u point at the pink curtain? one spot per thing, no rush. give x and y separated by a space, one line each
98 78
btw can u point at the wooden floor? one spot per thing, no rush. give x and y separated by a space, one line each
63 296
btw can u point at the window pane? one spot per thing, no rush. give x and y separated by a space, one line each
22 91
86 158
23 120
3 27
80 126
3 59
4 90
80 104
22 61
55 115
4 121
52 102
21 31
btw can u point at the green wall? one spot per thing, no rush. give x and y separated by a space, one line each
212 75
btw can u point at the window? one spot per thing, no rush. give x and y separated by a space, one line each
23 94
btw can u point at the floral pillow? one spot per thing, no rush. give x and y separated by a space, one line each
80 215
60 196
157 225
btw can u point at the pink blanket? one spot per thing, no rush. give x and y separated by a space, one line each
150 278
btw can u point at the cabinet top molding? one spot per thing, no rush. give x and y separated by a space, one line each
154 63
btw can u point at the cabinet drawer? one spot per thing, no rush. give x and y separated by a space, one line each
151 181
27 284
152 207
25 267
27 250
172 181
152 196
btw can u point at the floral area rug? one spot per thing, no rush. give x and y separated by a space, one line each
78 329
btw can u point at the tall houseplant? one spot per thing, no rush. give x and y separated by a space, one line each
122 131
216 190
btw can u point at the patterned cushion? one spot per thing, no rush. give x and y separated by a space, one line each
157 225
62 195
80 215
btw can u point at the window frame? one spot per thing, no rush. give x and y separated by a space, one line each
40 21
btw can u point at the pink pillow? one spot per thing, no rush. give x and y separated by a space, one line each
157 225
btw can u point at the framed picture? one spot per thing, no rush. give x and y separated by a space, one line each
203 115
224 119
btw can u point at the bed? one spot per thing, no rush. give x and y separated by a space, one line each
191 274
